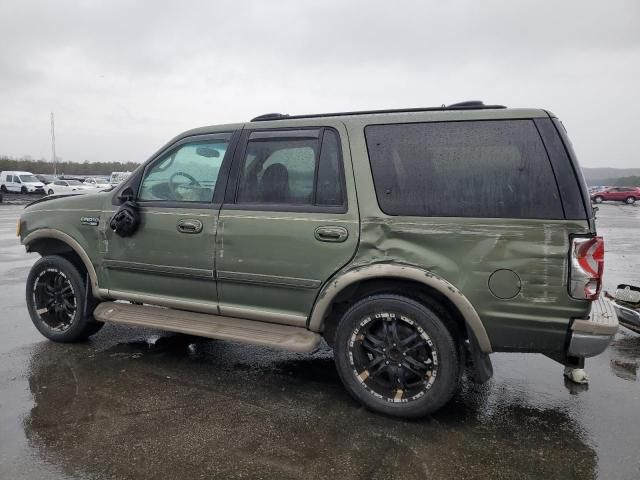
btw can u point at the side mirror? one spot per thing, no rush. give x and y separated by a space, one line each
126 195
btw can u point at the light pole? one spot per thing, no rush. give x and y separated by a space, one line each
53 146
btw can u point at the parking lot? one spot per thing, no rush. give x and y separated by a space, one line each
134 403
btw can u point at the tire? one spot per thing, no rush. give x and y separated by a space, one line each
3 189
630 200
365 357
54 284
598 199
23 190
50 192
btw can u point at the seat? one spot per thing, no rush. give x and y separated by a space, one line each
274 185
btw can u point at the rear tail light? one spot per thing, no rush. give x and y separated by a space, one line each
587 265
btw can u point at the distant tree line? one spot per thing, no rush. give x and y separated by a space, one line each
632 181
43 166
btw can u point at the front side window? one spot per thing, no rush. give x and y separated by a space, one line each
292 168
188 173
483 169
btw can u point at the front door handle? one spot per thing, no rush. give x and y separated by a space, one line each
331 234
189 226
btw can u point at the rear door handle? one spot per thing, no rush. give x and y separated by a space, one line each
331 234
189 226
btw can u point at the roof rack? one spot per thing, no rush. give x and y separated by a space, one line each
469 105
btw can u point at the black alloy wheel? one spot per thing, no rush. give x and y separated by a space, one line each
56 299
396 356
393 357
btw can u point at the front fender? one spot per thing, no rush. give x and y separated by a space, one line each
49 233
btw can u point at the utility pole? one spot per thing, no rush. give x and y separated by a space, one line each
53 145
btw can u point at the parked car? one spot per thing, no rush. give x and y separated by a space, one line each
117 178
415 242
96 182
617 194
23 182
68 187
44 178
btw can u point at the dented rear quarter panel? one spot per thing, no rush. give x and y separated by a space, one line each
466 251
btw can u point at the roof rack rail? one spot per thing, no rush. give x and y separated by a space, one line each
469 105
270 116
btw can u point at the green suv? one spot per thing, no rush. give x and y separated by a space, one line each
415 242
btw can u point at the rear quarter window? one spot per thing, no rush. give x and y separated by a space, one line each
484 169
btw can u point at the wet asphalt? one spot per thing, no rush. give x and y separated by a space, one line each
134 403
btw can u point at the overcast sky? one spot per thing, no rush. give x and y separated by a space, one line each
124 77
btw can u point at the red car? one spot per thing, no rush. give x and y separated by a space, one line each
617 194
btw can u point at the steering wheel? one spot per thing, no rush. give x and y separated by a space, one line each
173 186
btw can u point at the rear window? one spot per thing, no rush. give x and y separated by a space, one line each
485 169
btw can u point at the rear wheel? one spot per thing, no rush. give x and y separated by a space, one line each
3 189
396 356
630 200
56 301
598 199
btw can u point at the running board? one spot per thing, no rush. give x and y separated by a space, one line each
285 337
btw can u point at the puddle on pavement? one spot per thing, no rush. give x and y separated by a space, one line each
626 355
228 408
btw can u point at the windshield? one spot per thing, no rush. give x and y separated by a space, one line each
73 182
29 178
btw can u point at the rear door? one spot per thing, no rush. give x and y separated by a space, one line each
289 221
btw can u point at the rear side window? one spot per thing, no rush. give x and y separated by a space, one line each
484 169
292 168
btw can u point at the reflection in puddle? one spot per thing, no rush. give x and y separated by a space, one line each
176 407
626 355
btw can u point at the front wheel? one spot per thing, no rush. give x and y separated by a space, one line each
396 356
50 192
56 301
24 190
630 200
597 199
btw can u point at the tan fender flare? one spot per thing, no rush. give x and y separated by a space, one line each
400 271
45 233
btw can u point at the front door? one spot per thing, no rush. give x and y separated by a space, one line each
287 224
170 260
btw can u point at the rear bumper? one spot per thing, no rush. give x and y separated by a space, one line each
592 337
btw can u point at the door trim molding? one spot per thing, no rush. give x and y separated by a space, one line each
206 307
191 305
261 279
268 316
162 269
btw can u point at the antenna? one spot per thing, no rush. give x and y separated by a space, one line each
53 145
